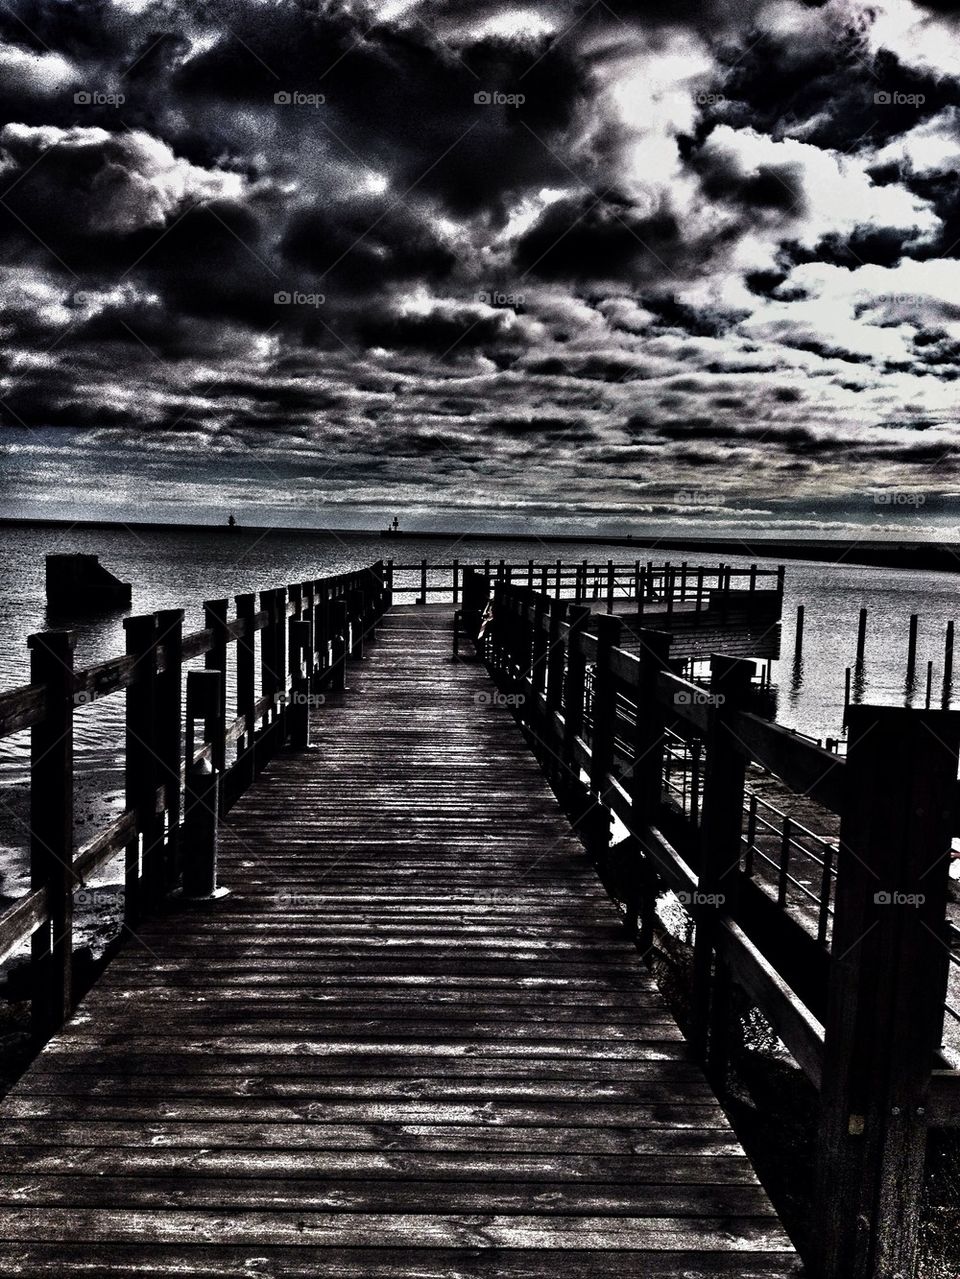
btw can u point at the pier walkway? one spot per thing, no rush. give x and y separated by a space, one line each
413 1039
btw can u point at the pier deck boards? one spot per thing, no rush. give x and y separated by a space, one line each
413 1040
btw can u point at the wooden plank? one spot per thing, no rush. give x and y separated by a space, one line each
414 1020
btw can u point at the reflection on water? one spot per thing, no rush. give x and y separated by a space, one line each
179 569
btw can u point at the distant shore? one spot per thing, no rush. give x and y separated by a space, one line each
941 557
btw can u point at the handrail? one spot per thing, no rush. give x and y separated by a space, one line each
332 614
601 720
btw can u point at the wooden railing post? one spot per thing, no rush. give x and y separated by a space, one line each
604 703
339 632
574 689
887 987
143 878
51 831
358 615
246 691
646 776
215 618
719 843
169 706
423 582
298 714
202 802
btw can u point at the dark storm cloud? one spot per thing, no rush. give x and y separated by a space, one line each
404 260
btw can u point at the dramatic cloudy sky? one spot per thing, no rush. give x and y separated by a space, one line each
592 262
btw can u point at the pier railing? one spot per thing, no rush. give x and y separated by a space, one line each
652 585
188 751
845 946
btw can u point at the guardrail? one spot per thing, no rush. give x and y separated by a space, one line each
665 585
853 973
279 651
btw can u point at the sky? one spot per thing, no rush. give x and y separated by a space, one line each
571 266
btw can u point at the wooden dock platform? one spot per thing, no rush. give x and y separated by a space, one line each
413 1040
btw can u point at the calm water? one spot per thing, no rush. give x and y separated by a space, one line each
174 569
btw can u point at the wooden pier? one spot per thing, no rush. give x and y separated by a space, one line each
414 1039
374 1014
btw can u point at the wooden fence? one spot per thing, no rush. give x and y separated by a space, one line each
664 585
853 975
279 651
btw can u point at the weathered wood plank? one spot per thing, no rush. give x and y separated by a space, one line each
416 1022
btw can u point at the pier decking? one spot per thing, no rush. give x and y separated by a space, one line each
414 1039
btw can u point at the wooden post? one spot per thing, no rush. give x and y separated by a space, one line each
668 586
559 578
604 704
298 716
611 585
215 618
861 636
51 832
339 629
947 667
143 878
683 580
798 641
268 676
573 693
389 585
202 799
846 689
456 582
887 987
912 648
423 582
645 776
720 829
169 731
246 693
